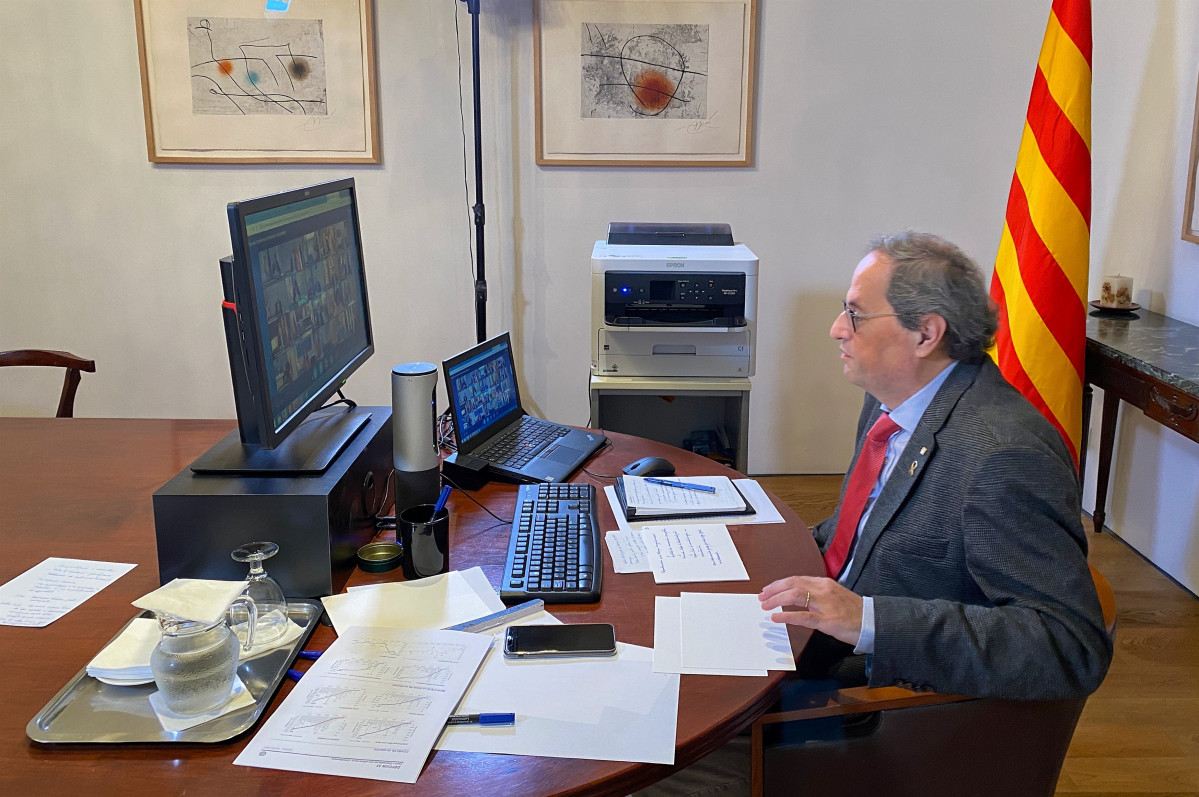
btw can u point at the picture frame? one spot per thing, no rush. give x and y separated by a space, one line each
1190 214
237 81
651 83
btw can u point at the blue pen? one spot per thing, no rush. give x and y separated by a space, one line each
481 719
441 499
295 675
699 488
312 655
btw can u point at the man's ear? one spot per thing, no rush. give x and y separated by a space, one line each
932 332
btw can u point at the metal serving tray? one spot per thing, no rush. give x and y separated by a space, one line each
86 710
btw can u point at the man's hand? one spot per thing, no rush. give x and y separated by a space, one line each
819 603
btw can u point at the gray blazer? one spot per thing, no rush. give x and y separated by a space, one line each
975 553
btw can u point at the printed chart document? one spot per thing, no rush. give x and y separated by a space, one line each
434 602
50 589
692 553
729 631
645 497
612 708
668 631
764 511
371 706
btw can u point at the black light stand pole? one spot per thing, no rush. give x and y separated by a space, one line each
472 6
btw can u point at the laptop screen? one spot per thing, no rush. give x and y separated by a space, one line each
483 388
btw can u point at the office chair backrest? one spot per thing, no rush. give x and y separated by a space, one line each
55 359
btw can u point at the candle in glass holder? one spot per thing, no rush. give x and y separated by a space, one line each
1115 291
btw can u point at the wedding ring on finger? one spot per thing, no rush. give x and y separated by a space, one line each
807 599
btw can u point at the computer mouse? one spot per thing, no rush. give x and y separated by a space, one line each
649 466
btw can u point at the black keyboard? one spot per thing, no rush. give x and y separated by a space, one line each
554 551
520 444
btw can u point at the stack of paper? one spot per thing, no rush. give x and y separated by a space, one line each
701 633
435 602
613 708
125 661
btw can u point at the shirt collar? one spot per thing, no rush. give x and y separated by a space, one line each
908 414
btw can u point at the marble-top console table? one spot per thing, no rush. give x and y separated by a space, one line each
1148 360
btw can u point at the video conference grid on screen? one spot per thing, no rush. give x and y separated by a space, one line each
307 268
486 390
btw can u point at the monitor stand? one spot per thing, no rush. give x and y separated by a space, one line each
309 450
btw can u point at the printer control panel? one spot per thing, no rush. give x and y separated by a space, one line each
656 298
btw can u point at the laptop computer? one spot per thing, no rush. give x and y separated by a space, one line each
496 436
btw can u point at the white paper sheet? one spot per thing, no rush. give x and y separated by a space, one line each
692 553
434 602
613 709
53 587
764 511
627 550
668 640
651 497
371 706
731 631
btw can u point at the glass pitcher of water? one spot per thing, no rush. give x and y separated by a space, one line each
194 663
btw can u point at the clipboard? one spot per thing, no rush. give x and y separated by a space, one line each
632 515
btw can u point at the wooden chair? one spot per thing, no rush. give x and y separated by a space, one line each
923 743
56 359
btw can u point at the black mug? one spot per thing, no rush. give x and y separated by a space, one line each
426 540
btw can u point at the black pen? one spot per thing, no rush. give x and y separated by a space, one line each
481 719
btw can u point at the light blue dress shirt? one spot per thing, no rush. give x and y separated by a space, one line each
906 416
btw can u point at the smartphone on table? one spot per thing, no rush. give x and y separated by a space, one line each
580 639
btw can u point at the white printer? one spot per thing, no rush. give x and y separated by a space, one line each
672 300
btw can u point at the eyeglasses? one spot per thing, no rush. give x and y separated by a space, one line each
854 317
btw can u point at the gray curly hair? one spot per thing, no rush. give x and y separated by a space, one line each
931 275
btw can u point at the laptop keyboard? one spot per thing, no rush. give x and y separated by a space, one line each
554 549
515 447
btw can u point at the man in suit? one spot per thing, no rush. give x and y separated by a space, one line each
965 570
961 565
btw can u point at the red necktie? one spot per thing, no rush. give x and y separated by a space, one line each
861 482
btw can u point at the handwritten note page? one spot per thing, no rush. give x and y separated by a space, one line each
48 590
649 497
692 553
371 706
627 549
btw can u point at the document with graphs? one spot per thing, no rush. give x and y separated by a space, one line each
371 706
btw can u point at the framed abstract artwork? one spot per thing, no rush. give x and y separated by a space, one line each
258 81
646 83
1190 214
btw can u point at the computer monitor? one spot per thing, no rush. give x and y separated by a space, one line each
297 324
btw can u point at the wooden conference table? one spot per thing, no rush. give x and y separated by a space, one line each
81 488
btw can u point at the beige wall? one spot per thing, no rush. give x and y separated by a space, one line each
871 117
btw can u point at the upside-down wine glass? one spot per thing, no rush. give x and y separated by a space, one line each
265 592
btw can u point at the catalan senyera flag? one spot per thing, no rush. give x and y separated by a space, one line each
1040 279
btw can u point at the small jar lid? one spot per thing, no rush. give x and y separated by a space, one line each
379 557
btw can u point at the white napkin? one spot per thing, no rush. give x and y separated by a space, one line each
290 635
127 658
203 600
238 698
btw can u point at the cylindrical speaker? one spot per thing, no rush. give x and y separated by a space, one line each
414 439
